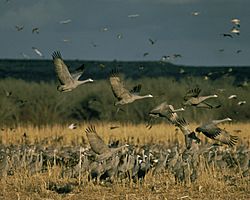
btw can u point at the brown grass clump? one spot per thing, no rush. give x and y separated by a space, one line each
211 183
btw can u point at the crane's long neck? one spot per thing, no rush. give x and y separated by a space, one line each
178 110
85 81
142 97
207 97
221 120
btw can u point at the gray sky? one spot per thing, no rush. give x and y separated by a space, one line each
196 38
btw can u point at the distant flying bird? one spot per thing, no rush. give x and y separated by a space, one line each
145 54
119 36
236 22
123 95
182 71
233 96
240 103
19 28
212 131
192 98
164 58
152 41
235 30
66 40
238 51
177 55
195 13
72 126
38 52
94 44
65 21
35 30
227 35
25 56
68 81
104 29
102 66
133 16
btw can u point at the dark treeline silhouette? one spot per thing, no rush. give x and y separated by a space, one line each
43 70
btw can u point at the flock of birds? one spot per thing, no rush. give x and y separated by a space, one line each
128 160
233 32
102 162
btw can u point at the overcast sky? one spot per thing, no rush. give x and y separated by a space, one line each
197 38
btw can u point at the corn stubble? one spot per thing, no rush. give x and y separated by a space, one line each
212 182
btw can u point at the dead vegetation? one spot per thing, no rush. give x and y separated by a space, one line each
213 182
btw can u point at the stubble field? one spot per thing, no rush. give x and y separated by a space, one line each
212 183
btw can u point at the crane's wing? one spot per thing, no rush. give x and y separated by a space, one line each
225 138
183 125
96 143
192 93
136 89
61 69
78 72
118 89
210 130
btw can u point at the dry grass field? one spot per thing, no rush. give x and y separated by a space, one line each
211 183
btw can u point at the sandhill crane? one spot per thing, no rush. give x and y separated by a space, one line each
19 28
122 94
195 13
227 35
3 162
185 129
37 51
164 110
65 21
233 96
176 55
72 126
68 81
236 22
25 56
99 147
35 30
240 103
192 98
212 131
152 41
133 16
235 30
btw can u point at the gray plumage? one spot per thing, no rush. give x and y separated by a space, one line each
99 147
68 81
164 110
192 98
188 133
123 95
212 131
